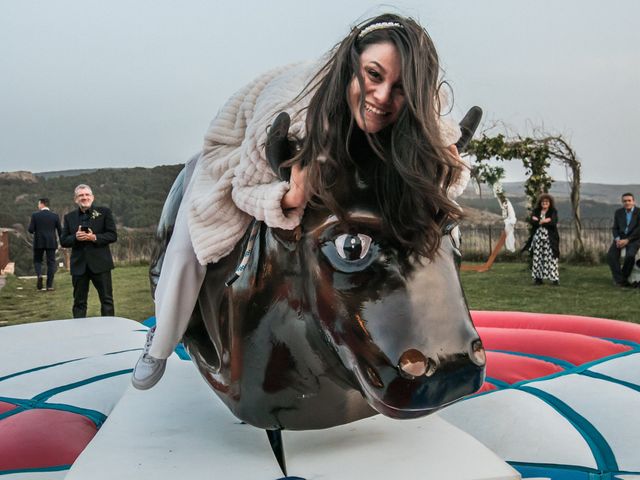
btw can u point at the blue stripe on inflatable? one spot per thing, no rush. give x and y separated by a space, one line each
35 369
556 361
601 376
601 450
19 407
629 343
57 468
43 367
98 418
149 322
124 351
587 365
558 472
569 368
580 369
182 352
497 383
63 388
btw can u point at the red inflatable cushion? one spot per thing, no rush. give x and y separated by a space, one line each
513 368
593 327
486 387
570 347
43 438
5 407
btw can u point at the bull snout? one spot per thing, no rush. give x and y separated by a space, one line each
413 363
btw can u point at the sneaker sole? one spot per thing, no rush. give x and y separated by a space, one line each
151 381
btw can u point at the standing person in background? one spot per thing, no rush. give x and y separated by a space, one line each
88 231
44 225
626 235
544 242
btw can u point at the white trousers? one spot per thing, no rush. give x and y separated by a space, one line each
178 287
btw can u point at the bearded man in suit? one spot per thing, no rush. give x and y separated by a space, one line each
88 231
44 224
626 235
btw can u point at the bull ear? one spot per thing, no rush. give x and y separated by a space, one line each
287 238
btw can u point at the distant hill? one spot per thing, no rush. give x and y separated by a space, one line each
65 173
597 200
597 192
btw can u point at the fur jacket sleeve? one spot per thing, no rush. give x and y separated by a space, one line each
232 181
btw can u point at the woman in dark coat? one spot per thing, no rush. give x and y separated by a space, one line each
545 241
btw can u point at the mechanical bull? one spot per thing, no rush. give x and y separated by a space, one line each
332 322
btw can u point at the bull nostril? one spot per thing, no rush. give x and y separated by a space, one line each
478 354
413 364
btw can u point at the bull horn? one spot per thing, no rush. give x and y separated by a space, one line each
468 126
275 440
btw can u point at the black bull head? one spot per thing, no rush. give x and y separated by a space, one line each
333 322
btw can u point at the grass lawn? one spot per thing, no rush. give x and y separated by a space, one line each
20 302
582 291
507 286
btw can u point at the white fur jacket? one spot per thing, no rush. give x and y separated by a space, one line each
232 181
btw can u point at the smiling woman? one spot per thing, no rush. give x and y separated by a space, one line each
389 120
381 88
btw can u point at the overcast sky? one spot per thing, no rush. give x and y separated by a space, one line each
86 83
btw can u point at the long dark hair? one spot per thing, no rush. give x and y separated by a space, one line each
413 168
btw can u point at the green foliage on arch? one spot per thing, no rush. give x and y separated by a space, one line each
533 153
536 155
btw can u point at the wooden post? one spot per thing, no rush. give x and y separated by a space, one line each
4 249
67 258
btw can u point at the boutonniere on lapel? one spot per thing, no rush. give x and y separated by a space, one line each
95 214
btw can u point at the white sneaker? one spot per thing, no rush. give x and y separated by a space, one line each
148 370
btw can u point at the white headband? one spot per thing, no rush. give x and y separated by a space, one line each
378 26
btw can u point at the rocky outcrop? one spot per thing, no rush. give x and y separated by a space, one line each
20 175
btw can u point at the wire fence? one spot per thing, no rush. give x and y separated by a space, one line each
478 241
135 246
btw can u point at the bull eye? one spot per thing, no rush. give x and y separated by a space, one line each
350 253
352 247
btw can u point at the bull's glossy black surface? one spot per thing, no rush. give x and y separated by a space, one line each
307 339
333 322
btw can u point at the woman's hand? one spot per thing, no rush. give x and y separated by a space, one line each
454 151
296 197
535 219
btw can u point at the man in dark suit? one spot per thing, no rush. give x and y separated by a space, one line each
89 230
626 234
44 225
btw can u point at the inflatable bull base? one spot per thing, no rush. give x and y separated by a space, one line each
559 402
175 430
68 411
